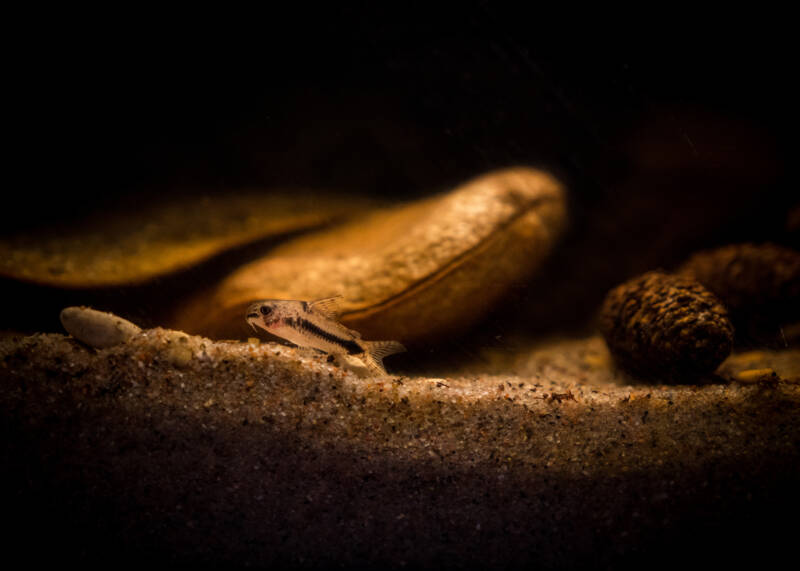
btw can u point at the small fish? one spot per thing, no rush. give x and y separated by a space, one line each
315 324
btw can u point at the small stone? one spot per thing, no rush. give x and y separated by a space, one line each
98 329
595 361
755 375
178 355
666 326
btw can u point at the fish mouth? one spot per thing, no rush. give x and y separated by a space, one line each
254 320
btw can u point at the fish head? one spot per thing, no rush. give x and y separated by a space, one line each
265 314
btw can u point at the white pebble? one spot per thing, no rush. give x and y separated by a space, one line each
97 328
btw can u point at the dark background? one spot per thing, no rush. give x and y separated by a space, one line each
381 102
671 135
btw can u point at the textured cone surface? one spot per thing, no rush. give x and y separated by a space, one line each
666 326
412 272
755 282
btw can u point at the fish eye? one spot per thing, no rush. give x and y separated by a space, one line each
266 310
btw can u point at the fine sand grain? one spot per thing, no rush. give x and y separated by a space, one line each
173 448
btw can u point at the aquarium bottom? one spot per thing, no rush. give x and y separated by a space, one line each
176 450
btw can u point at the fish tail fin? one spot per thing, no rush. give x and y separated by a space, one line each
375 351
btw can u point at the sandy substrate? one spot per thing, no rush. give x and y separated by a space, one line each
176 449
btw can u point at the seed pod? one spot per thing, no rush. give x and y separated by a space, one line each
126 247
415 272
97 328
759 284
666 326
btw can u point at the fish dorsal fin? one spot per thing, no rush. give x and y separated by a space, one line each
327 306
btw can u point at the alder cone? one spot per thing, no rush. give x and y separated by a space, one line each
666 326
759 284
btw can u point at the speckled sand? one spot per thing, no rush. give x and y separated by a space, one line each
179 449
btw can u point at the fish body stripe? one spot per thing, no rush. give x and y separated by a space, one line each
352 347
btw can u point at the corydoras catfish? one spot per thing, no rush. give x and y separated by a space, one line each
315 324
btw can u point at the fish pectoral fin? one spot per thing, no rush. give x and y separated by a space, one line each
310 351
375 366
353 332
327 306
